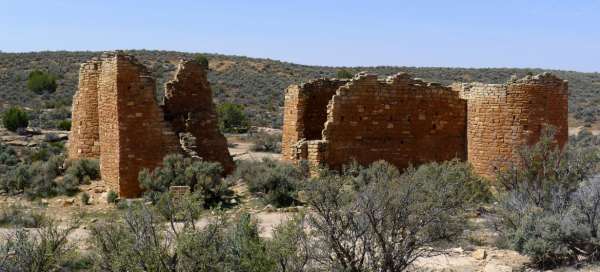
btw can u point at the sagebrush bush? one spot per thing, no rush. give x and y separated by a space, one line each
43 249
20 216
142 243
548 204
112 197
64 125
277 182
265 142
395 217
47 178
204 179
40 82
15 118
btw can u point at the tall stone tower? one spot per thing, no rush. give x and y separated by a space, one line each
502 118
117 119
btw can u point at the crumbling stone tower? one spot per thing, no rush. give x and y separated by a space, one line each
408 121
504 117
85 139
116 118
189 109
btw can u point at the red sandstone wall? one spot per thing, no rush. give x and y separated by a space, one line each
402 120
84 136
133 133
305 113
189 108
503 118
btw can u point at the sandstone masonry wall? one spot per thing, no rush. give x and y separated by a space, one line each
117 118
189 108
401 120
305 113
504 117
407 121
84 124
133 132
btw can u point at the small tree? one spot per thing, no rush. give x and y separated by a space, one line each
39 82
232 118
15 118
343 73
202 60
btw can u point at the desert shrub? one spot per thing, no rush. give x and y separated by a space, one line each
232 118
289 247
85 199
83 170
344 74
8 159
44 250
64 125
19 216
35 180
266 142
142 243
395 218
184 209
137 244
41 176
112 197
40 179
202 60
277 182
15 118
546 207
43 152
204 179
40 82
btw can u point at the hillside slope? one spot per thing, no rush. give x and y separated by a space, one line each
258 84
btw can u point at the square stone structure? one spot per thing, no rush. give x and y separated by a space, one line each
406 121
117 120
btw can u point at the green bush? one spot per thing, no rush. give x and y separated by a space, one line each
15 118
344 74
39 179
202 60
548 204
85 198
277 182
44 250
64 125
42 178
40 82
232 118
83 170
204 179
396 218
22 217
112 197
43 152
140 243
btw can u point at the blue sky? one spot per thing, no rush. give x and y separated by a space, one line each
485 33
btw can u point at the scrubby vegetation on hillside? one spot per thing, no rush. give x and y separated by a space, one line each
549 205
257 84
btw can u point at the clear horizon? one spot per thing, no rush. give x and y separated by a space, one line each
469 34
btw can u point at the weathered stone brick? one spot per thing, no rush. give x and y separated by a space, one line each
408 121
116 118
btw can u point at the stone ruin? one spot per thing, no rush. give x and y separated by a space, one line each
116 118
407 121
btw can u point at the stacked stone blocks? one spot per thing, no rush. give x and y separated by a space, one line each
133 131
407 121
